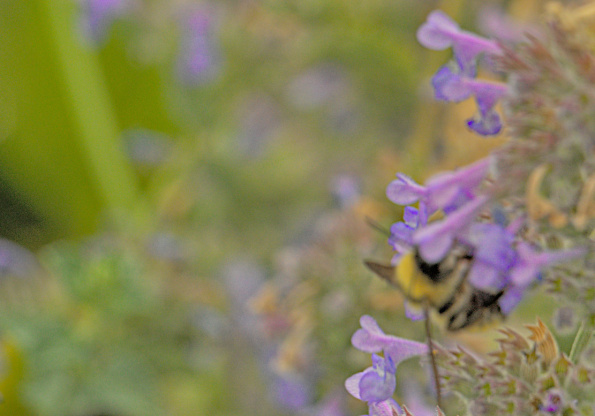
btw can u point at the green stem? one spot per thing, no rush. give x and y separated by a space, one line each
581 340
97 133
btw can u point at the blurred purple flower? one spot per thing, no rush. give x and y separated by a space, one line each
401 233
385 408
527 269
370 338
445 191
452 86
405 191
450 190
345 190
199 58
292 391
98 15
441 32
494 22
493 256
435 239
376 383
554 401
16 260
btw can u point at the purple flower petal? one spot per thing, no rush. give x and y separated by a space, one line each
199 59
372 339
385 408
435 239
444 188
404 190
510 299
352 385
488 124
449 85
411 216
378 383
440 31
413 313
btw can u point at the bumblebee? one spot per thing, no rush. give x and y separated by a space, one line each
443 287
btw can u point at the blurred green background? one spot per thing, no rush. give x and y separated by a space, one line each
188 185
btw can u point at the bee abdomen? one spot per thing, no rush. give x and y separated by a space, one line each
479 307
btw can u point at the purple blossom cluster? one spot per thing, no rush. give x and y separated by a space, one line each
376 385
502 261
199 58
498 214
457 80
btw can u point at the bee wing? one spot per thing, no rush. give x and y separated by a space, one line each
386 272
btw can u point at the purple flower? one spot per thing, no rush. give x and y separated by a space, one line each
16 260
494 22
404 190
370 338
527 269
435 239
445 191
453 86
493 256
346 190
554 401
441 32
385 408
401 233
292 391
98 15
199 59
450 190
376 384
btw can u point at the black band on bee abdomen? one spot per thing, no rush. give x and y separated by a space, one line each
481 307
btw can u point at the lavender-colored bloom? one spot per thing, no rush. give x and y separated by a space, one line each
98 15
450 190
376 383
435 239
16 260
441 32
531 262
346 190
446 191
494 22
493 256
199 59
292 391
404 190
453 86
385 408
554 401
413 312
401 238
527 269
370 338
